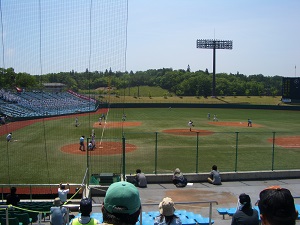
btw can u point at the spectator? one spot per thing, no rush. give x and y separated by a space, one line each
140 179
63 192
58 213
85 209
12 198
167 217
244 213
277 207
178 179
214 177
122 204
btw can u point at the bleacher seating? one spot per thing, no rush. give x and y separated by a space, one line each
38 104
187 218
231 211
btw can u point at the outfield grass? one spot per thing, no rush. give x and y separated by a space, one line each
36 157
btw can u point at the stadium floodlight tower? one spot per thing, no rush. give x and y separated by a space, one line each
214 44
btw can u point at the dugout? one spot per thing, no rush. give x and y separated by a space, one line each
104 178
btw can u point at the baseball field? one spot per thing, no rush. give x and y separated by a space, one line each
157 140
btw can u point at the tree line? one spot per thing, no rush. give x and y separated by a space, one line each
180 82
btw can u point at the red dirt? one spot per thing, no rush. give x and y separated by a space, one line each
13 126
233 124
188 132
287 142
103 148
116 124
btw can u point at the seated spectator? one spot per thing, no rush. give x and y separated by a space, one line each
85 208
140 179
178 179
167 216
58 213
277 207
12 198
214 177
122 204
244 213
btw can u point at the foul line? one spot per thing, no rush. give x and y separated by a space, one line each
104 127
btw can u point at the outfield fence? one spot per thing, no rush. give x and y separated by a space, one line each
152 152
196 152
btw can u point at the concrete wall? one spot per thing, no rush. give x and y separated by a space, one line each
98 190
229 176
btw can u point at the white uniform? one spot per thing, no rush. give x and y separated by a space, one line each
9 137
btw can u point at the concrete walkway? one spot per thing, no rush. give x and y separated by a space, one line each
226 195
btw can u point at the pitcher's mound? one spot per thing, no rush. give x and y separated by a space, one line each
103 148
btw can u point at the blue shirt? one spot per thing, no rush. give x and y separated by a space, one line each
57 215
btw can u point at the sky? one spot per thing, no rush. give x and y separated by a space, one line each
41 37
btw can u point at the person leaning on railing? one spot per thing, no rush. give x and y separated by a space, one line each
63 192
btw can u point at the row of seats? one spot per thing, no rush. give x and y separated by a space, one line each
187 217
32 104
17 218
28 212
231 211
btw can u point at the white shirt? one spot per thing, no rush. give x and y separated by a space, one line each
62 194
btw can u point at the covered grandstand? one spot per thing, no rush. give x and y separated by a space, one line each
28 104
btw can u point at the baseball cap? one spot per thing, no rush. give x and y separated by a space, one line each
166 207
86 205
122 197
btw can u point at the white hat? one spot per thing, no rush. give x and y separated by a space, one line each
166 207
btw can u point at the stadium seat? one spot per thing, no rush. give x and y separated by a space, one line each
231 211
23 218
11 221
222 211
204 220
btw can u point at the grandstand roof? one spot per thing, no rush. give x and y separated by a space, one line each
54 85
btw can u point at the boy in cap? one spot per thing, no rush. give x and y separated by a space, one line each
122 204
58 213
244 213
277 207
85 209
167 216
140 179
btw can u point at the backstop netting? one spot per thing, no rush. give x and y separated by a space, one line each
44 37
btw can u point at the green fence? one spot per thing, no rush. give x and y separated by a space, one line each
196 152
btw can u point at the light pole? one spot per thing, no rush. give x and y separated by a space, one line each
214 44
